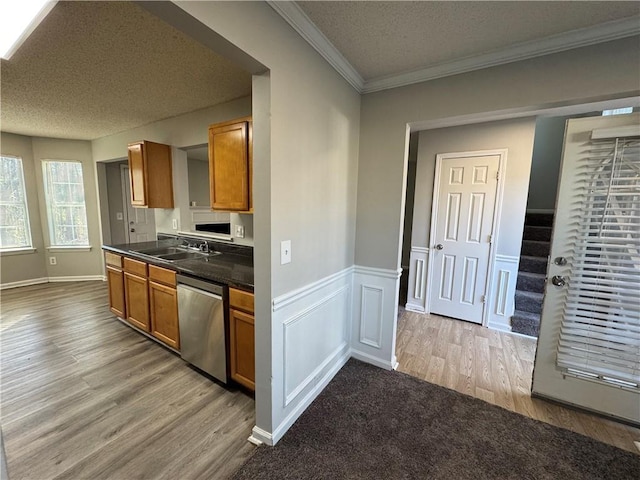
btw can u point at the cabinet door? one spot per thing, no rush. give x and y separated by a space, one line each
137 169
229 167
242 339
115 279
163 306
137 296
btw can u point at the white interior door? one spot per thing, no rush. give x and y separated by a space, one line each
140 222
589 345
465 191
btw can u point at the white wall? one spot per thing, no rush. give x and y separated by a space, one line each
311 200
586 74
517 137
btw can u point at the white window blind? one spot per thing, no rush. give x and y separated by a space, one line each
600 329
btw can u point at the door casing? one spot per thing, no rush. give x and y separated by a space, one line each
497 211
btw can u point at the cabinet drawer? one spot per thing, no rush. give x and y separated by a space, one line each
113 259
241 300
162 275
136 267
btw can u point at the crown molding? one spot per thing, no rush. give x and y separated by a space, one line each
295 16
582 37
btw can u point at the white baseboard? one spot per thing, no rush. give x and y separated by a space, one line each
79 278
259 437
303 404
38 281
370 359
410 307
24 283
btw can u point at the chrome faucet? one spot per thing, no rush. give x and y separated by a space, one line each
204 247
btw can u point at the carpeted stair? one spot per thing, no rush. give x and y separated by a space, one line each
532 273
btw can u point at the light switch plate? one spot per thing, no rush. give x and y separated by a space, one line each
239 231
285 252
174 223
119 216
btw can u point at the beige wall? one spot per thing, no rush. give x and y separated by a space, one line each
545 167
16 268
71 263
314 143
180 132
514 135
114 198
586 74
23 267
198 181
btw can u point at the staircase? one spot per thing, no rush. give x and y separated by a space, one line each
532 271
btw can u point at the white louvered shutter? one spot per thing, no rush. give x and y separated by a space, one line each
600 328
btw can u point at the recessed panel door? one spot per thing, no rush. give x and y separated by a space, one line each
465 196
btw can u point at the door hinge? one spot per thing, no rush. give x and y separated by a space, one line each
483 299
498 175
490 239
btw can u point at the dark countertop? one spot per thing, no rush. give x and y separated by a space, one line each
233 267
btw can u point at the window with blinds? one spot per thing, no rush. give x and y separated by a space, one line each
600 330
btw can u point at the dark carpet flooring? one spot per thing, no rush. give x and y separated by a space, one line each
374 424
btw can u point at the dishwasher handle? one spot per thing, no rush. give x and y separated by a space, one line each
200 284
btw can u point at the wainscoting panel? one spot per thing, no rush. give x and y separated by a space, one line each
375 310
311 342
502 295
417 291
371 317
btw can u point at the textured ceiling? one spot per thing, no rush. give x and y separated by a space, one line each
388 38
95 68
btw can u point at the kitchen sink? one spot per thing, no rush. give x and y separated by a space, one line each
162 251
174 254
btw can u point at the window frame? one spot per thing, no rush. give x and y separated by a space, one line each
47 185
28 247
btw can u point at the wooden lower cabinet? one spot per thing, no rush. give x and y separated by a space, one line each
115 279
242 338
163 306
137 295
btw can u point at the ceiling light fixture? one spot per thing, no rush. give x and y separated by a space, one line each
18 19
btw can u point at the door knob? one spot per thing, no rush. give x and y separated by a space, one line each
558 281
439 246
561 261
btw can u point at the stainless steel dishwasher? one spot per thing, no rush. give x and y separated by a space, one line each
202 327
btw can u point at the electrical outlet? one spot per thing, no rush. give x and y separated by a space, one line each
285 252
174 223
53 261
239 231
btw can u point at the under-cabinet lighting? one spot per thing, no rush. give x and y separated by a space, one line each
18 19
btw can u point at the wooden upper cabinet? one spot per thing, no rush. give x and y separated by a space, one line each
151 175
231 165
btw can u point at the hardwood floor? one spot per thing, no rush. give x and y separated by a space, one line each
84 396
494 366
